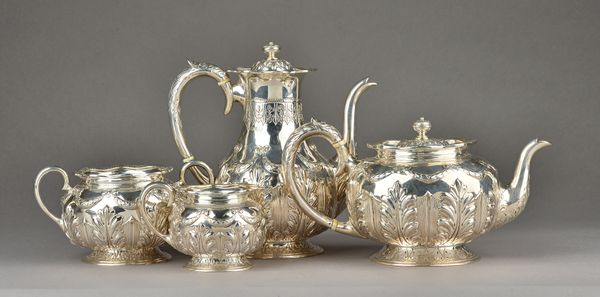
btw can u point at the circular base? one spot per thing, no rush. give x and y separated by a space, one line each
287 250
424 256
112 256
213 264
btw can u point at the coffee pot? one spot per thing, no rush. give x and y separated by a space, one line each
269 93
424 198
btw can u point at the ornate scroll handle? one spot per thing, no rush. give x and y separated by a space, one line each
195 70
190 165
144 201
290 151
36 189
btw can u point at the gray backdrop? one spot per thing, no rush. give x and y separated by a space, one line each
85 84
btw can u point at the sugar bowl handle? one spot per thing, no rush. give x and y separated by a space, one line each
195 70
150 188
299 136
36 188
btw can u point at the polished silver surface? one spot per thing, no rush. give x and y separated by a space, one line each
269 93
101 213
218 225
423 198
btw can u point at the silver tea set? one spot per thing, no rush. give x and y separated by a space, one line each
423 198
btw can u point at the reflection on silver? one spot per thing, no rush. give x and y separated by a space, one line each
101 213
218 225
269 94
424 198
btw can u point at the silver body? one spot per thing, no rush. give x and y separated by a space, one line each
423 198
101 213
270 95
218 225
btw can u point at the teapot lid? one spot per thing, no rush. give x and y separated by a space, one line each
422 148
272 64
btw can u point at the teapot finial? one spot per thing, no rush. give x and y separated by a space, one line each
422 126
271 49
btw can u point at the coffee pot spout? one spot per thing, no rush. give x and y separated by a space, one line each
349 112
513 199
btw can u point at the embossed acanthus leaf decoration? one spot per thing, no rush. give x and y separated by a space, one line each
108 228
399 216
71 225
233 235
456 220
441 218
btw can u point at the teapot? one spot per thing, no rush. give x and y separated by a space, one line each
269 93
101 213
218 225
424 198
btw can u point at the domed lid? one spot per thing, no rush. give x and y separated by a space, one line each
421 148
272 64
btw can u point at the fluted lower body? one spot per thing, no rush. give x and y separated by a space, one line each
111 227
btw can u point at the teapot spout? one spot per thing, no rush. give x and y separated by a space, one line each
513 199
349 113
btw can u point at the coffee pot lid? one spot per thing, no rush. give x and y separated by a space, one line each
273 64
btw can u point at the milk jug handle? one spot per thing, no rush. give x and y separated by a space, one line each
149 189
290 151
195 70
36 190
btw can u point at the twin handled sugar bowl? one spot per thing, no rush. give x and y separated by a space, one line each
423 198
101 213
269 93
218 225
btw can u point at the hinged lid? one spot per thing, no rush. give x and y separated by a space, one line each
422 148
272 64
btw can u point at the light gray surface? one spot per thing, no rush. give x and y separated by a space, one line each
516 260
85 84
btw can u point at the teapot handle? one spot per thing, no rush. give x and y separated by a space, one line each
299 136
36 188
196 69
151 187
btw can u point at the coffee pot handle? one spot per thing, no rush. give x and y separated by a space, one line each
150 188
299 136
36 188
195 70
190 165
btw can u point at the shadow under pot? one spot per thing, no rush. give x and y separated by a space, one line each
101 213
217 224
